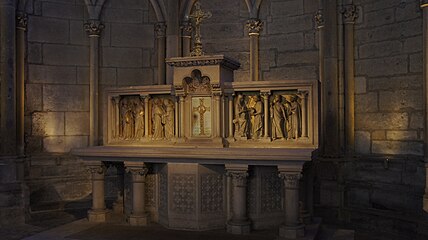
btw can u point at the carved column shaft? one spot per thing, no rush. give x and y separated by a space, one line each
8 81
319 22
181 116
93 28
350 14
147 133
21 27
266 114
176 107
292 228
254 26
239 223
186 33
424 6
230 107
160 30
97 174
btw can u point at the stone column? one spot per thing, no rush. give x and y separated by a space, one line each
138 216
186 35
231 117
265 96
217 112
319 22
304 96
176 111
21 27
147 133
160 30
98 213
116 112
424 6
239 223
350 14
292 228
181 116
93 28
254 26
8 78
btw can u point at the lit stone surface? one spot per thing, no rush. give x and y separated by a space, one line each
73 123
65 98
48 124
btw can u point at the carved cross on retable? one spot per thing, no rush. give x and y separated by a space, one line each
201 109
198 16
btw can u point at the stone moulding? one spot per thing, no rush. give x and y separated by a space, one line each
203 61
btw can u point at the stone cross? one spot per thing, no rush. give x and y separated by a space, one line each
201 109
198 16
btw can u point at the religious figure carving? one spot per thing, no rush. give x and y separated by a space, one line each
241 117
201 109
278 116
197 83
294 118
169 118
257 115
158 118
139 119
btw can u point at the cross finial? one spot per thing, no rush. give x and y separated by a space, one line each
198 16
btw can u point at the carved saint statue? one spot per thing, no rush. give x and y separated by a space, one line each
158 118
295 118
169 118
241 117
139 119
278 116
129 126
257 114
123 109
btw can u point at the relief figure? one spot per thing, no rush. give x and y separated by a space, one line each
257 114
278 116
295 130
128 129
139 119
169 118
158 118
241 117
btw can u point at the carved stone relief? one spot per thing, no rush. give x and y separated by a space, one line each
286 117
131 115
249 114
196 83
162 119
211 193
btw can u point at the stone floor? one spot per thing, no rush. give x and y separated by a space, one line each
72 226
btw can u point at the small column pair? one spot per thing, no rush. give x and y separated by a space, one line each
99 213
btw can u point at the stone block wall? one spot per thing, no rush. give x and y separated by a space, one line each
57 86
288 45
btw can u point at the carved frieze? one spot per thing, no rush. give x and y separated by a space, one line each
163 118
249 115
286 116
131 118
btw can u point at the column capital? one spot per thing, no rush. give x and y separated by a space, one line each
98 169
240 177
319 19
254 26
350 13
186 28
291 179
160 29
93 28
21 20
137 170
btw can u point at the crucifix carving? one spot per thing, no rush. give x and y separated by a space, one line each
198 16
201 109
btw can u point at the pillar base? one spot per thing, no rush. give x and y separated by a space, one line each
99 215
426 202
288 232
138 219
239 228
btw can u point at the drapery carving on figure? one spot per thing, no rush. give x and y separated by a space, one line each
295 118
241 117
257 114
163 118
278 116
131 118
197 83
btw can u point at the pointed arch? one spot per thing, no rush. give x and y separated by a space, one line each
94 8
185 9
160 9
253 7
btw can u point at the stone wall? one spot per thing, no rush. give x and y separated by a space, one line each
57 86
288 48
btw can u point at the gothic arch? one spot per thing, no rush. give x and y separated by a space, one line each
160 9
94 8
253 7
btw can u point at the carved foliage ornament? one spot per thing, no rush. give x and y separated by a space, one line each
319 19
239 177
160 29
350 13
255 26
197 83
21 20
291 180
141 171
93 28
101 169
187 28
